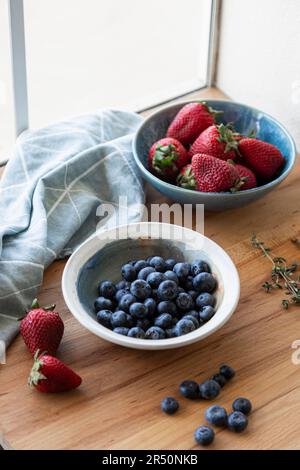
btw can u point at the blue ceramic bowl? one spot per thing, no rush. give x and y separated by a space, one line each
245 120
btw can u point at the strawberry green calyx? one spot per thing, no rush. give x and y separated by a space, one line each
239 184
228 137
214 112
164 157
35 304
187 179
35 375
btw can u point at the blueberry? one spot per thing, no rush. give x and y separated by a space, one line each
155 295
101 303
193 293
140 264
175 321
243 405
182 270
107 289
169 405
184 302
143 323
123 285
154 332
151 306
121 330
237 421
204 282
144 273
220 379
184 326
138 310
158 263
128 272
188 283
170 263
216 415
167 306
206 313
204 435
140 289
193 319
136 332
170 332
171 276
120 293
154 279
167 290
189 389
164 321
104 318
199 266
227 371
149 259
193 313
126 301
209 389
119 318
205 299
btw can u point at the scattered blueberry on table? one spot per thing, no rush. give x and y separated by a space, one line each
158 298
204 435
243 405
169 405
216 415
237 421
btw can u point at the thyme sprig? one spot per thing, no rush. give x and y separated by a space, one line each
282 275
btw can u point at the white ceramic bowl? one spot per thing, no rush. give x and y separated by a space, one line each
102 256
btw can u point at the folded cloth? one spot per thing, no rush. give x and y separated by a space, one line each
50 191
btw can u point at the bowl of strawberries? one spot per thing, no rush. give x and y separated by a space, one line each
218 153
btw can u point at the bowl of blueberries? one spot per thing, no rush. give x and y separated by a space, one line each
151 285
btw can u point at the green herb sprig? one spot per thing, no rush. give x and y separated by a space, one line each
282 275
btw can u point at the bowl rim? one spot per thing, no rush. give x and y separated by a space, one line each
237 194
226 267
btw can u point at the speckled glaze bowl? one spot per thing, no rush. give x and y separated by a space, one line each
102 256
245 120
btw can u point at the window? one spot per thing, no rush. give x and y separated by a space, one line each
86 54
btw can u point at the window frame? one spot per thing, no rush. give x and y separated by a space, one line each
18 59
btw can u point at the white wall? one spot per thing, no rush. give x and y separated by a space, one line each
259 57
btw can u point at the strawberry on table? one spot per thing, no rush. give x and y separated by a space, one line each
186 178
190 121
42 329
166 157
213 174
218 141
263 158
50 375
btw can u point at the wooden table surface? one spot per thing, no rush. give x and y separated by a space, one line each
118 404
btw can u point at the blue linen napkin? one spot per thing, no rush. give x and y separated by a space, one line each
49 194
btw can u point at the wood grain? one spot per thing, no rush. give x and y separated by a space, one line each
117 406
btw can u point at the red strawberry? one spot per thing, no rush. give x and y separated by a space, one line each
214 175
186 178
248 178
166 157
190 121
50 375
217 141
263 158
42 329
